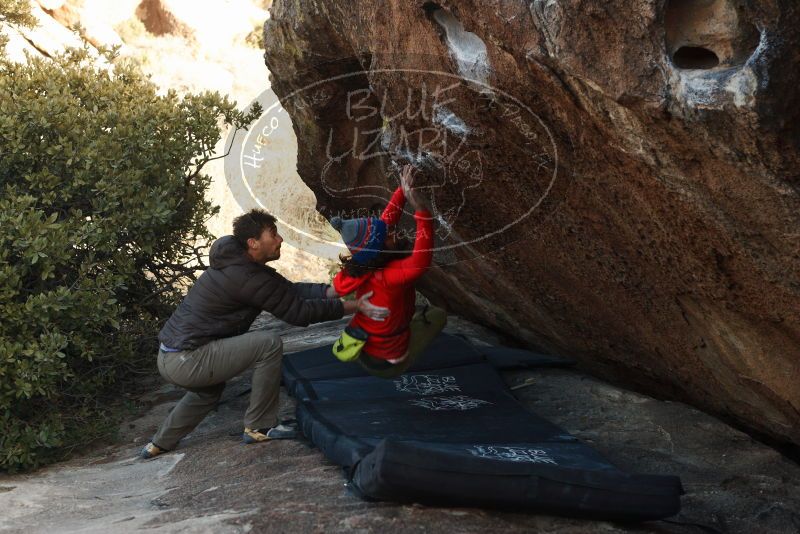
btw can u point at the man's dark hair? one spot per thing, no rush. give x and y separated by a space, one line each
252 224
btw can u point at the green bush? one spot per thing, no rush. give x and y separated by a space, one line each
16 12
102 223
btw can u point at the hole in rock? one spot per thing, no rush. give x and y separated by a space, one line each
430 7
695 57
705 34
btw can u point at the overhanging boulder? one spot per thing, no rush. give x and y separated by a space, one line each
615 181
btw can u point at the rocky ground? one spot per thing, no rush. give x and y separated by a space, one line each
213 483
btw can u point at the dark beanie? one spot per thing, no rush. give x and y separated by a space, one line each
364 236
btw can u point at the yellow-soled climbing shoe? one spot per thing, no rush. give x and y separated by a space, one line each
151 450
252 435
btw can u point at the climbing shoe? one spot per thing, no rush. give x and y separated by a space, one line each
281 431
151 450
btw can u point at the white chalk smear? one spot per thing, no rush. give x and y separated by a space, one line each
455 124
468 49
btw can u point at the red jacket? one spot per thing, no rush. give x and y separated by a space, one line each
392 286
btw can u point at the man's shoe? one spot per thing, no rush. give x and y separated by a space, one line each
265 434
151 450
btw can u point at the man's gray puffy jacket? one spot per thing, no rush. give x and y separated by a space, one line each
233 291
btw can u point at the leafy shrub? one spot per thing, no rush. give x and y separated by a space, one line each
102 223
16 12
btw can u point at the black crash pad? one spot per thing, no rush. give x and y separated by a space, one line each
450 380
455 435
337 427
514 477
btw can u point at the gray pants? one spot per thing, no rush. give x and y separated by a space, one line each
203 372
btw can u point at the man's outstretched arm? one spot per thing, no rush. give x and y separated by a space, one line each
306 290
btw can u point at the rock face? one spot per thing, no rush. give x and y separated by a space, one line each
615 181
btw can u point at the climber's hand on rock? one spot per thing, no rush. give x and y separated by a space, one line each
413 195
407 178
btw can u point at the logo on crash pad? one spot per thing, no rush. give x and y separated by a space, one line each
455 403
426 384
513 454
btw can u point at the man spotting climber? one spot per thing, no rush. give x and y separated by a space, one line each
206 340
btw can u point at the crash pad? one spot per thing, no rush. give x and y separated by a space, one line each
455 435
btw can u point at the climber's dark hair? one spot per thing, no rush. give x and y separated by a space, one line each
252 224
354 269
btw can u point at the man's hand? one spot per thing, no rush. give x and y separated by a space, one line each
375 313
363 305
331 293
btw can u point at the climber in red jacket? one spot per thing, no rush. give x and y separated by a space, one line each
380 263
